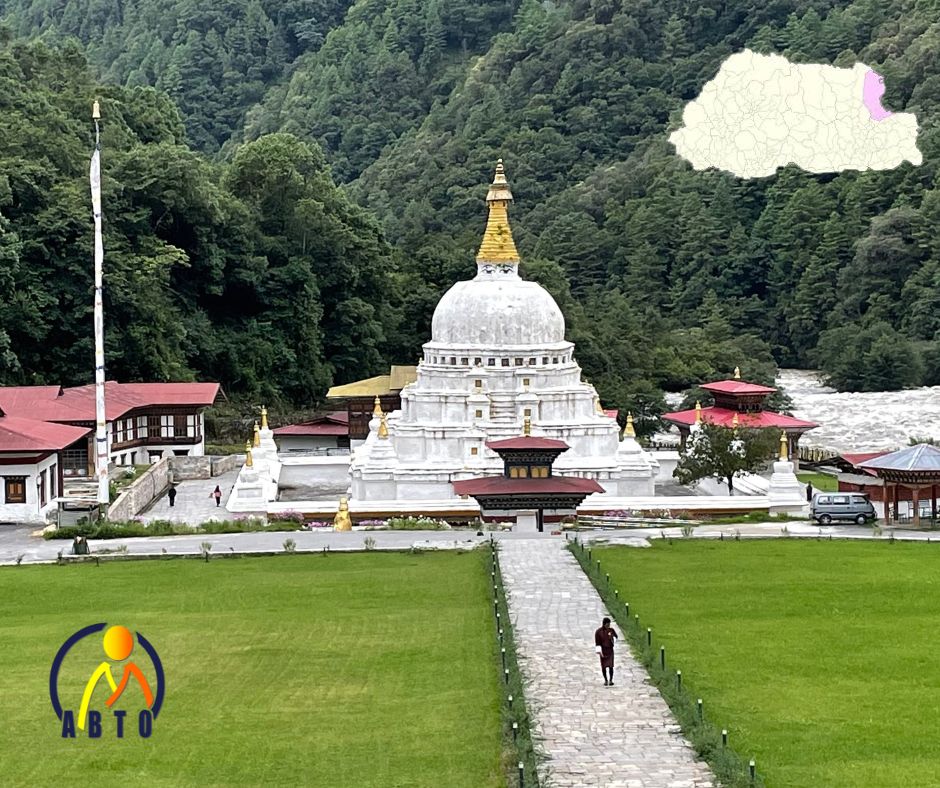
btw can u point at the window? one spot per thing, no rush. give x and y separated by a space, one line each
531 362
14 489
474 451
519 472
478 414
464 361
527 412
519 362
539 471
544 359
525 381
179 426
824 499
505 362
453 361
491 362
478 383
554 359
42 488
859 499
478 362
153 427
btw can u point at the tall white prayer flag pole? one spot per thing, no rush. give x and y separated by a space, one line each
101 424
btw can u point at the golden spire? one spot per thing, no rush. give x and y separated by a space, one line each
698 412
249 462
784 447
383 427
737 373
734 421
628 430
377 408
96 111
257 438
264 417
527 426
497 245
598 408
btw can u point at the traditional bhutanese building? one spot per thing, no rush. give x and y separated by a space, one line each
359 397
496 357
739 403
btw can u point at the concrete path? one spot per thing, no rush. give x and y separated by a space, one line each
194 502
593 736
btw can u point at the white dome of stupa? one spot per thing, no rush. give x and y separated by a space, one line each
497 310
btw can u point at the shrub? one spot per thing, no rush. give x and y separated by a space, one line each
290 546
418 524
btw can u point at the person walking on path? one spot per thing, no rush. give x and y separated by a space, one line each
171 494
604 639
217 494
809 493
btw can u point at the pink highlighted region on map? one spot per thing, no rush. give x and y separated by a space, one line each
872 90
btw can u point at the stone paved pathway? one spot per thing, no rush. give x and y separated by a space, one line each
594 736
194 502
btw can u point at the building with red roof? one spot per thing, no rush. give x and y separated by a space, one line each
528 484
320 434
738 403
46 434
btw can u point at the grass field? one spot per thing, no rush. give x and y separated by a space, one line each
345 670
821 481
819 657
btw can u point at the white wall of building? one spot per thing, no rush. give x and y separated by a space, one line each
31 511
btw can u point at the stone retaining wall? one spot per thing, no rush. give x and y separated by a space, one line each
138 495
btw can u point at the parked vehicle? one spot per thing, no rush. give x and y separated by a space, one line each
827 507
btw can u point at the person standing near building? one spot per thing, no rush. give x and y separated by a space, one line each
171 495
809 493
217 494
604 639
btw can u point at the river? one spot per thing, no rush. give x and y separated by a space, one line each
861 421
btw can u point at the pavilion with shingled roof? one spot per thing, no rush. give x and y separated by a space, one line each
740 404
917 468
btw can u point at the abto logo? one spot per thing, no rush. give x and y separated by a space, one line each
118 644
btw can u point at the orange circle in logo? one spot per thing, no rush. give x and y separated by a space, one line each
118 642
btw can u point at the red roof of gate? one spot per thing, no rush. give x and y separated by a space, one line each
526 443
503 485
725 417
741 387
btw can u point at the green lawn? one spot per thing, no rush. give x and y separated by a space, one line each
821 481
347 670
819 657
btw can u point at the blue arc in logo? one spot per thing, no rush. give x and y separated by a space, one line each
90 630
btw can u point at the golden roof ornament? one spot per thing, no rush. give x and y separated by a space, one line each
527 426
497 245
598 408
383 427
784 447
249 461
264 417
734 421
737 373
377 408
698 412
257 438
96 111
628 430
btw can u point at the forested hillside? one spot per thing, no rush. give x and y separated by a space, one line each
666 275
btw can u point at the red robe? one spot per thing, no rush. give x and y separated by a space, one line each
605 638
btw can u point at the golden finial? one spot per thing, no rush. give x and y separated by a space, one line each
96 111
737 373
257 438
698 412
377 408
598 409
628 430
734 421
264 417
497 245
383 427
784 447
249 462
527 426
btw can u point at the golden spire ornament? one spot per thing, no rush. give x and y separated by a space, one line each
497 245
628 429
383 427
737 373
264 417
598 408
249 461
784 447
527 426
698 412
734 421
257 438
377 408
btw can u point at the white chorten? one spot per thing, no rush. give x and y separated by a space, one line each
497 356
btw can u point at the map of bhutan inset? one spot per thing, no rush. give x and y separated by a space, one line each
762 112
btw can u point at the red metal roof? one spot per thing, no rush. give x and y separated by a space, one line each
612 413
740 387
52 403
528 442
334 423
503 485
19 434
858 458
725 417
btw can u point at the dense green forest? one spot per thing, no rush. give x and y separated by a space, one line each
291 187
